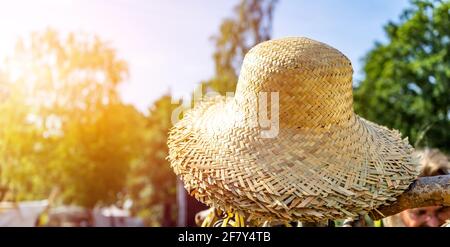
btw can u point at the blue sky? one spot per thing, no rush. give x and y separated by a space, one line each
166 42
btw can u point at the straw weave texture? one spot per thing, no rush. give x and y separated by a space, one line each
325 163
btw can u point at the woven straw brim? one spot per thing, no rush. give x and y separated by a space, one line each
303 174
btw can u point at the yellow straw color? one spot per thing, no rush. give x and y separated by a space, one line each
326 162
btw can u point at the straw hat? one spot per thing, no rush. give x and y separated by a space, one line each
324 162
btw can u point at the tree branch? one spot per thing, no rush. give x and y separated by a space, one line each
424 192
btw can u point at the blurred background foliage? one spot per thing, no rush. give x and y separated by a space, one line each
63 125
407 79
152 183
64 128
251 24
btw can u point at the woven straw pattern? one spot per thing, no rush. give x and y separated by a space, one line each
325 163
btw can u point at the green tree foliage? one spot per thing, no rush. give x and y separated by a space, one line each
152 184
97 153
250 25
407 82
63 125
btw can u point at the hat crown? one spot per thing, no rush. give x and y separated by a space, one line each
314 81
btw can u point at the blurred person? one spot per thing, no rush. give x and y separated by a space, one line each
432 163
